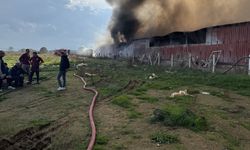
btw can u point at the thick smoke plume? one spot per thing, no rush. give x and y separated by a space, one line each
146 18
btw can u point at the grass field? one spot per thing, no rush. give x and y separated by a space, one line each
49 59
133 112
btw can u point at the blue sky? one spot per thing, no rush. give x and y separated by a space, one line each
52 23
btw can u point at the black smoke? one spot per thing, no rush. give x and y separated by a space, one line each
146 18
124 20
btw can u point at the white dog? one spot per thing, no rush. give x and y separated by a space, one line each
180 93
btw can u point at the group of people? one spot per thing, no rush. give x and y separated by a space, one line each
29 66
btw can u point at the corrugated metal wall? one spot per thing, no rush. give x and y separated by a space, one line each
233 40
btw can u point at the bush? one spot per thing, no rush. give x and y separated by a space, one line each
123 101
101 140
163 138
177 115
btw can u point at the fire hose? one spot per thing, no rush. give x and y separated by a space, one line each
91 113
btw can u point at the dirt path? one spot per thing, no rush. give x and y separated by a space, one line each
40 117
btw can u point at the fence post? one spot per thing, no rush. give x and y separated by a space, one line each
189 60
214 59
249 65
172 60
159 59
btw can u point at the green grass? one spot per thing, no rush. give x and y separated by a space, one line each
123 101
133 114
164 138
185 100
102 140
2 98
233 142
148 99
40 122
139 91
246 125
49 59
118 75
218 94
193 91
119 147
175 115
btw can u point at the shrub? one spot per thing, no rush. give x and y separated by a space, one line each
177 115
163 138
123 101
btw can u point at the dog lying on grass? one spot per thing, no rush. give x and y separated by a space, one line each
180 93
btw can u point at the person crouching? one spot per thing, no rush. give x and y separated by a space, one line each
17 75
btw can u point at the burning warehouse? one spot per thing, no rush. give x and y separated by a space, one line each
232 42
138 32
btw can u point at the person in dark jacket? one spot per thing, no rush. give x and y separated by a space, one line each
25 61
8 77
64 65
4 74
2 69
17 75
35 61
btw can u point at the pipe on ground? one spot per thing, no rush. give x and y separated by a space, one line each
91 113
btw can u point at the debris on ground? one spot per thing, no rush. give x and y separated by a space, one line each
90 75
153 76
81 65
205 93
180 93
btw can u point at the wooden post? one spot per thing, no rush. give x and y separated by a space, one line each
249 65
159 59
172 60
214 65
189 60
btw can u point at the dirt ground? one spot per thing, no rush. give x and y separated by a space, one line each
40 117
228 119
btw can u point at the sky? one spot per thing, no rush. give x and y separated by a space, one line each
52 23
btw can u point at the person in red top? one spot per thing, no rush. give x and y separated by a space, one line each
35 61
25 61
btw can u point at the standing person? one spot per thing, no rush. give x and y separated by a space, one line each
35 62
64 65
25 61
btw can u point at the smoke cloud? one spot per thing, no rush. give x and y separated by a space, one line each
146 18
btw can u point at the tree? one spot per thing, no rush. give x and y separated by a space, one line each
11 48
43 50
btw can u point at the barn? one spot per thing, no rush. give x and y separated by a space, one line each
229 43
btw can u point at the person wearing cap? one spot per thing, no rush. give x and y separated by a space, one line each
25 61
35 62
64 65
